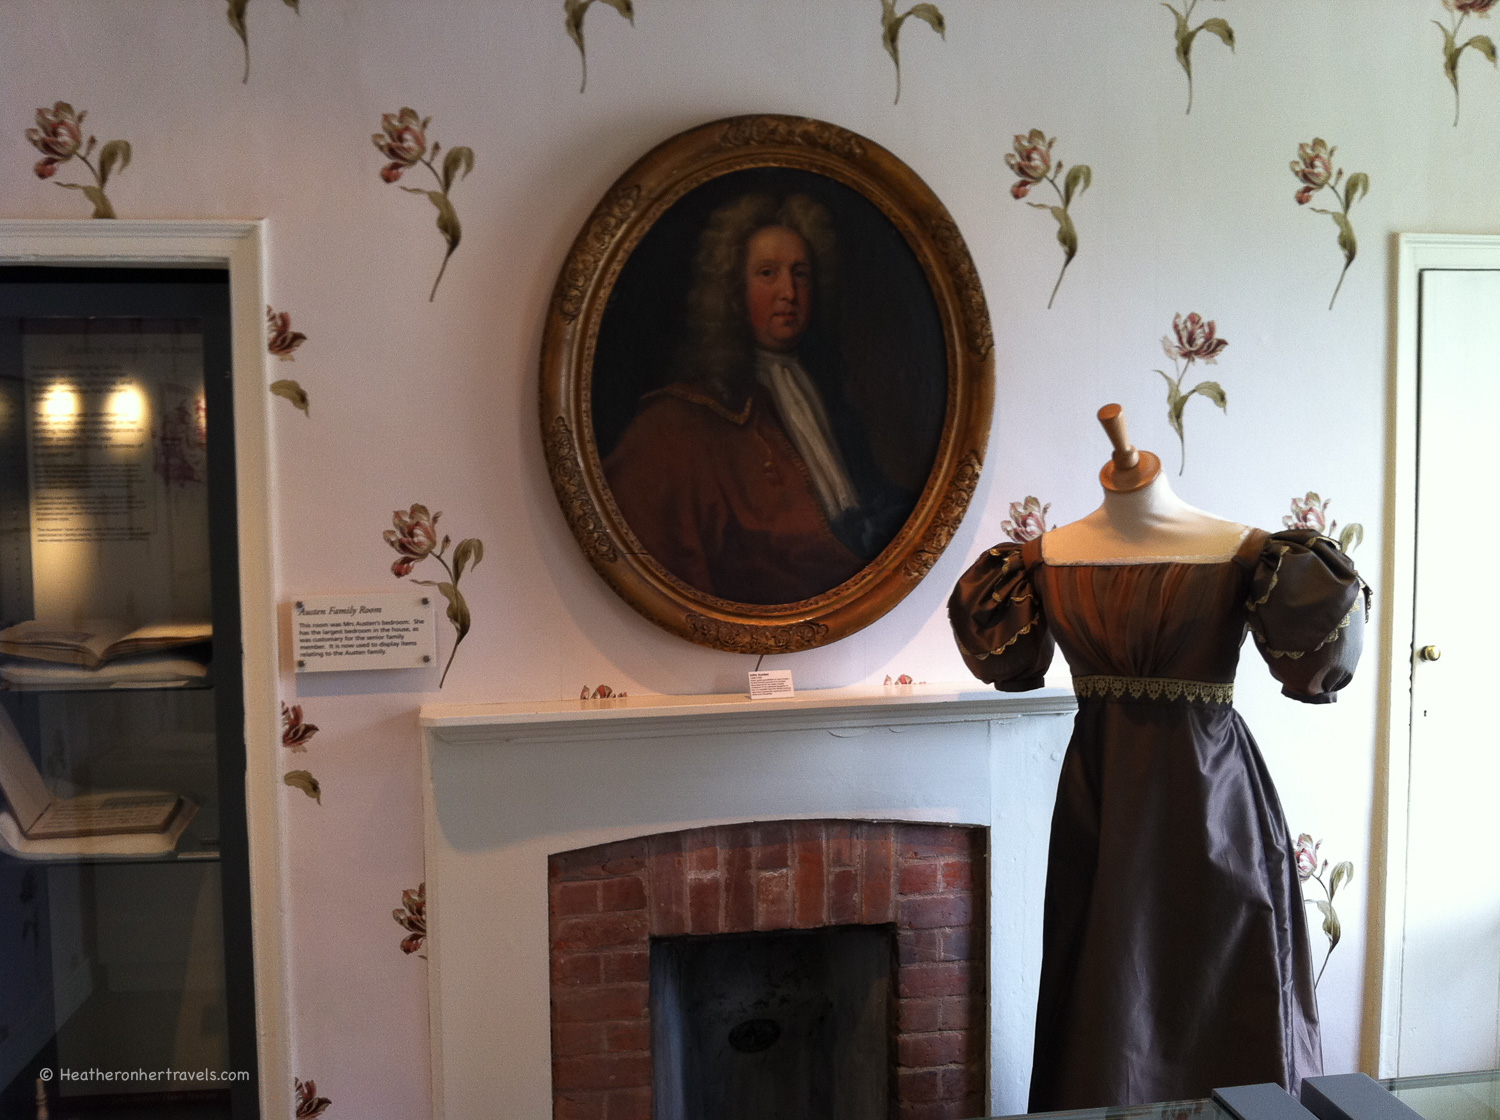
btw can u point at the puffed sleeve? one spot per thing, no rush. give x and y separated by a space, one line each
997 621
1307 610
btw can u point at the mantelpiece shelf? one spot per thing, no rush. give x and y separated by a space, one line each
647 716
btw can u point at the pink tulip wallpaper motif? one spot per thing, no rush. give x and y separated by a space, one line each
1458 13
573 13
890 30
58 135
1313 168
236 15
296 733
414 537
1028 520
1193 339
305 1097
1311 512
1310 870
412 917
403 140
282 343
1032 164
1186 34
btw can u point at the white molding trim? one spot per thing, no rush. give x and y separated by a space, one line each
1415 252
239 246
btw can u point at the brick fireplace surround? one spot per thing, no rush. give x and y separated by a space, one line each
607 901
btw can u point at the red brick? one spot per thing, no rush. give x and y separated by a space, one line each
960 944
575 968
624 865
935 911
919 878
918 1085
572 1039
702 851
578 1106
705 904
668 885
627 1037
961 1081
600 931
843 896
569 899
933 841
918 1051
840 844
601 1004
877 869
625 968
915 946
739 881
916 1015
625 893
809 908
946 978
601 1071
628 1104
958 875
772 850
773 900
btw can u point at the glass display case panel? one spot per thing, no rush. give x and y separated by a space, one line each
124 959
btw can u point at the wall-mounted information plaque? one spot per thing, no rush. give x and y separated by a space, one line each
343 632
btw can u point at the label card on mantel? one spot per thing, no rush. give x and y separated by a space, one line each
772 684
337 633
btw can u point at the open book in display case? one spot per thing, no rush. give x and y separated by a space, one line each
122 817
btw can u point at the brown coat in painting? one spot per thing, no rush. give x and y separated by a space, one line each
722 500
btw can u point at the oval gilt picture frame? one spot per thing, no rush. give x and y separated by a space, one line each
766 383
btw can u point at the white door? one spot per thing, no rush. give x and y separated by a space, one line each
1449 1011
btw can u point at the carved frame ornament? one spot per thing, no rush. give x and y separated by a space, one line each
627 213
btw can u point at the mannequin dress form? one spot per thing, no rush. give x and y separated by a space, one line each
1175 953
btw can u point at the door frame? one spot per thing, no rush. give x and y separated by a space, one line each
1415 253
238 246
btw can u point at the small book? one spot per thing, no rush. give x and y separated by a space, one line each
97 642
41 816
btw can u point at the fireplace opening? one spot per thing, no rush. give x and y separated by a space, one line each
795 1024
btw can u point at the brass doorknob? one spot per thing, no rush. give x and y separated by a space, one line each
1429 653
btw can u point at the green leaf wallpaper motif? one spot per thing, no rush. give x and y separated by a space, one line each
236 15
1186 35
1193 339
1032 164
295 735
403 141
415 538
1458 11
890 30
59 137
303 780
573 13
1314 168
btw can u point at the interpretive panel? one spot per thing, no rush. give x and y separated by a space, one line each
343 632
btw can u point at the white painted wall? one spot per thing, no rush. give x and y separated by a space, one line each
435 403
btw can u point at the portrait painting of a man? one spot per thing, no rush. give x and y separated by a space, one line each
769 386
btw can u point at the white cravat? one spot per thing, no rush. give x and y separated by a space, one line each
806 422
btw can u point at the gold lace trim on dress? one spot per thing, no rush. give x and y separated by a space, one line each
1294 654
1014 638
1154 688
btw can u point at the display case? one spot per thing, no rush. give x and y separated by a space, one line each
125 975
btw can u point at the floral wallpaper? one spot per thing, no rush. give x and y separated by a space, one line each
1193 339
1187 210
58 135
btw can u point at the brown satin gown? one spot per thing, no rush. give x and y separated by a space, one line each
1175 950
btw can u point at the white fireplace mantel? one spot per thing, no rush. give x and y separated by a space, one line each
510 784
